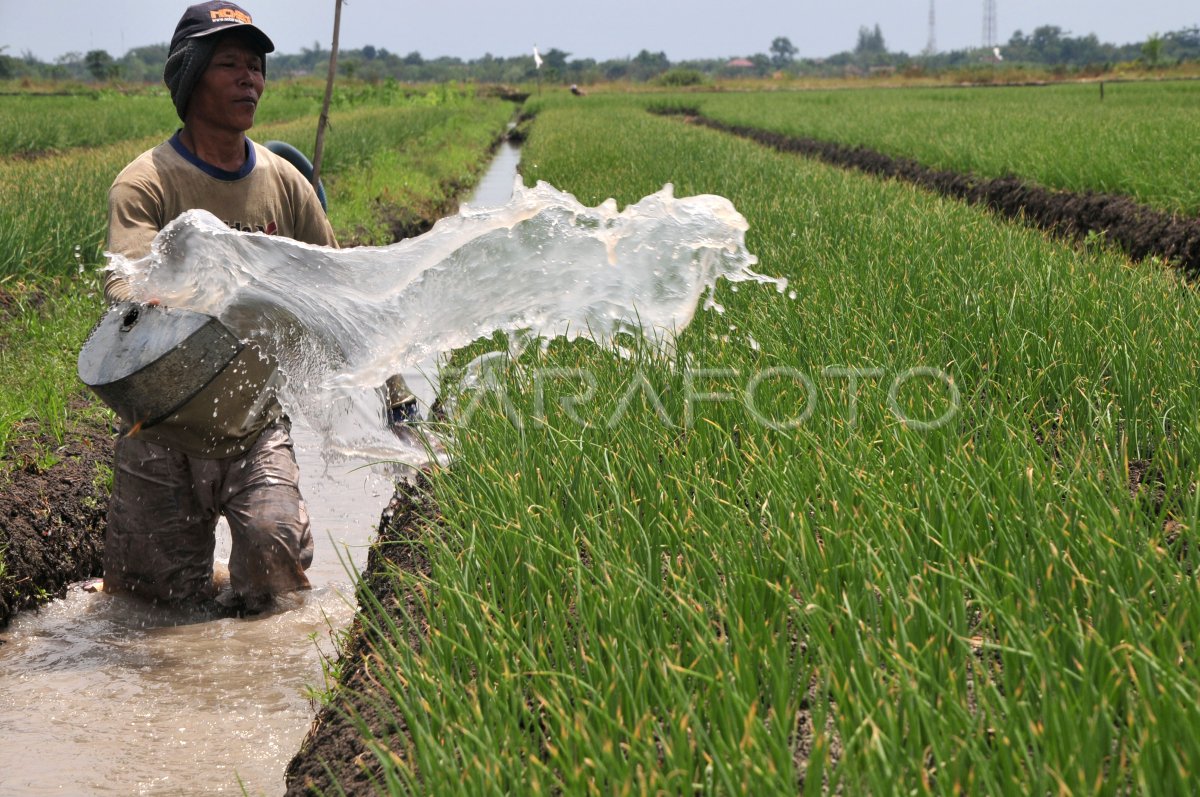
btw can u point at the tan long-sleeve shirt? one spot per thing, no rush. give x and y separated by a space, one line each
267 195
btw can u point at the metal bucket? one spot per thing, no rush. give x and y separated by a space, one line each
179 378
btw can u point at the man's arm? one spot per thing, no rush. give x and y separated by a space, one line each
134 218
312 225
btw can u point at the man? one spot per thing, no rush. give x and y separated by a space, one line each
165 502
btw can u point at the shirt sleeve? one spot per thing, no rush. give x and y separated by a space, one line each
134 218
312 225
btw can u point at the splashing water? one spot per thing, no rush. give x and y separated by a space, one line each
543 265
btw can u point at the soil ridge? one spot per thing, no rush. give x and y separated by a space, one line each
55 500
335 757
1141 231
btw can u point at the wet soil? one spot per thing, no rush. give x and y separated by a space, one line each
32 154
1140 231
418 218
53 502
335 758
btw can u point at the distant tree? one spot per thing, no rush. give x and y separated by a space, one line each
152 54
555 58
1047 45
99 63
647 65
1188 37
144 63
582 70
1152 49
1083 50
1046 42
871 49
1182 44
762 64
313 57
783 52
870 42
615 69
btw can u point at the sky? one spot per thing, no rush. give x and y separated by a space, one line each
600 29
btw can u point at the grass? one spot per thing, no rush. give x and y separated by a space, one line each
1135 141
1001 603
41 340
974 74
36 125
398 171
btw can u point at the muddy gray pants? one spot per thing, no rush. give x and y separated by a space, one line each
164 510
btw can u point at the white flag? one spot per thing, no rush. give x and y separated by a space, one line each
537 59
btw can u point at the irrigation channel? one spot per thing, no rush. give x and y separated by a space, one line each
102 695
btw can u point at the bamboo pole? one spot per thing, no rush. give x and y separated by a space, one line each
323 120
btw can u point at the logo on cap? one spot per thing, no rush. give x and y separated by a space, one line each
230 15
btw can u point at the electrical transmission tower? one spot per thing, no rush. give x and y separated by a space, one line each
931 46
989 24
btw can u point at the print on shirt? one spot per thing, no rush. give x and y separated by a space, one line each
270 229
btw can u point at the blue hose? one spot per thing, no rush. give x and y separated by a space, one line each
302 163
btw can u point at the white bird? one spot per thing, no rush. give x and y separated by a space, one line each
996 52
537 59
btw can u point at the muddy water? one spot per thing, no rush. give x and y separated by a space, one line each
496 186
103 695
100 695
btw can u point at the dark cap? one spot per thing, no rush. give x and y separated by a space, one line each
205 19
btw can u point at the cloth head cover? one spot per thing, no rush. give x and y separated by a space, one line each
194 41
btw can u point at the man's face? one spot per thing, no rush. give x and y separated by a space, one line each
227 94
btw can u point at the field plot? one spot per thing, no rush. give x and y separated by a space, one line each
34 125
1137 141
927 526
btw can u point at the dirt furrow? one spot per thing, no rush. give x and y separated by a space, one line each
1139 230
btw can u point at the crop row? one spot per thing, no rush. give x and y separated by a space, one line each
927 526
1136 141
32 125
